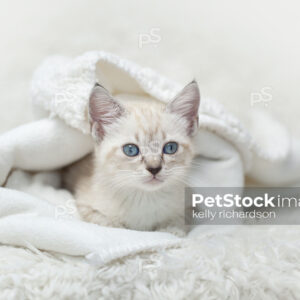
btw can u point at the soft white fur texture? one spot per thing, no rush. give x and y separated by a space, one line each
249 263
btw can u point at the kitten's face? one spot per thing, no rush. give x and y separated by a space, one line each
144 146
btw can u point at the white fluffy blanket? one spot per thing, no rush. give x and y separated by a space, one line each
61 86
42 216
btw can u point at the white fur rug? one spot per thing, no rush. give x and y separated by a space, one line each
245 263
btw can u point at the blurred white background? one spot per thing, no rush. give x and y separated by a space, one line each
236 50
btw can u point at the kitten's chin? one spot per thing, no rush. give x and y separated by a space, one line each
153 184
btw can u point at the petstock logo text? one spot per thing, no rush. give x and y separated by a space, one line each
237 206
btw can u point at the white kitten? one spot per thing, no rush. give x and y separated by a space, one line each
136 175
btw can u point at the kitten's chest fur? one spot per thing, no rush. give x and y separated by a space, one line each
134 208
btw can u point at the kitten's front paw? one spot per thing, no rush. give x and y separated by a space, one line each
88 214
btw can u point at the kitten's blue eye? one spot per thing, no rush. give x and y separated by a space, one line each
170 148
131 150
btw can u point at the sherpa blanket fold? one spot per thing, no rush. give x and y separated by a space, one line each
31 217
61 87
31 222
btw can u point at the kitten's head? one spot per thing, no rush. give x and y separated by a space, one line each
145 146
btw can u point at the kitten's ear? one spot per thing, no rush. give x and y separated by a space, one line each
103 111
186 105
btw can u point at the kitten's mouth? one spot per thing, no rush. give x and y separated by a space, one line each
154 180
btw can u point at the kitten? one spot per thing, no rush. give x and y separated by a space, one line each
136 176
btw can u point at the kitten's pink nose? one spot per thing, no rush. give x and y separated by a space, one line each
154 171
